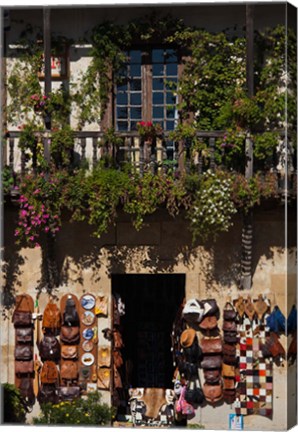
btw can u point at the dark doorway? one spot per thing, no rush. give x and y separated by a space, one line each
151 303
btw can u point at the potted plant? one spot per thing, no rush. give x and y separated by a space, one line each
149 131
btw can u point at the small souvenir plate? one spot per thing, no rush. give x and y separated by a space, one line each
88 333
87 318
88 301
87 345
87 359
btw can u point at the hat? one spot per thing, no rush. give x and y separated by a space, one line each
187 337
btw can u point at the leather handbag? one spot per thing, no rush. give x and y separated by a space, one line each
208 323
249 309
229 326
69 393
49 373
260 307
26 390
70 315
48 393
211 345
230 337
117 359
210 307
24 367
24 335
69 351
52 318
23 352
212 393
49 348
229 395
103 381
229 349
273 346
194 394
229 312
212 376
104 356
69 370
228 383
211 362
231 360
228 371
22 318
187 369
70 335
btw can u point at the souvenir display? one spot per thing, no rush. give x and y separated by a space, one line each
230 358
101 306
88 318
88 301
51 321
87 345
87 359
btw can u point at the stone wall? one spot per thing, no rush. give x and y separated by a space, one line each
163 246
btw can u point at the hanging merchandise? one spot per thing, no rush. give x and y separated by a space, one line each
24 335
101 306
48 393
70 315
213 393
118 341
103 375
69 393
51 321
211 345
212 376
194 394
69 352
49 373
260 307
292 321
272 347
26 390
69 370
249 309
292 351
119 304
49 348
23 352
193 311
88 333
88 301
70 335
229 312
208 323
182 406
276 321
87 318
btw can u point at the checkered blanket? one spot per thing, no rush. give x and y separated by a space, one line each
255 379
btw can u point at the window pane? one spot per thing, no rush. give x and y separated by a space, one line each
135 70
157 84
157 98
157 56
135 99
122 125
122 98
157 70
121 113
172 69
171 113
170 125
135 56
135 84
171 56
133 125
136 113
157 112
122 87
171 83
170 98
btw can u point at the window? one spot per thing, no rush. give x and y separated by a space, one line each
145 89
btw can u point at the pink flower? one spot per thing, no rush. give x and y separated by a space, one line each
24 213
36 191
32 238
47 229
17 232
37 245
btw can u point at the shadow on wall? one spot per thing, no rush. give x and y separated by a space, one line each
75 250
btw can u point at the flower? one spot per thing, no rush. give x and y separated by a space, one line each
148 130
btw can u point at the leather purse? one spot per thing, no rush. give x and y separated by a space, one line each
231 360
229 395
229 349
211 345
211 362
210 307
103 378
208 323
228 370
229 312
23 352
230 337
212 393
48 393
69 370
22 318
212 376
49 373
24 367
194 394
69 393
49 348
69 351
24 335
229 326
70 335
27 391
229 383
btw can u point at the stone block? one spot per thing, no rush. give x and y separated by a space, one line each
128 235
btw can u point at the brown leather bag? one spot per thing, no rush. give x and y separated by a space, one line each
24 367
70 335
24 335
212 376
228 370
211 362
273 346
231 360
69 351
118 341
49 373
229 349
211 345
69 393
212 393
69 370
52 318
230 337
117 359
208 323
229 312
228 383
23 352
229 326
22 318
229 395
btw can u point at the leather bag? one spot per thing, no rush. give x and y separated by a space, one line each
210 307
229 326
118 341
48 393
70 335
273 346
229 312
211 345
69 351
208 323
22 318
231 360
212 376
229 395
211 362
24 335
229 349
229 383
49 348
187 369
69 393
70 315
212 393
49 373
24 367
26 390
194 394
230 337
228 371
69 370
193 311
117 359
103 381
260 307
193 354
52 318
23 352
